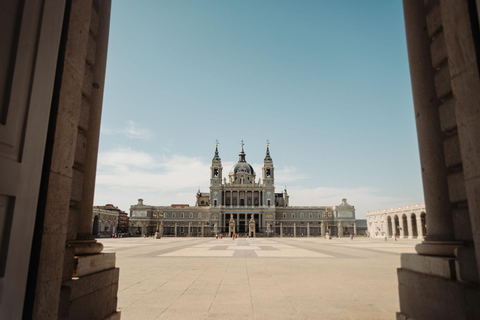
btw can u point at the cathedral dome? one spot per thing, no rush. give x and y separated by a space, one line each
240 167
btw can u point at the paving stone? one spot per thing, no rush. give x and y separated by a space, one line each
308 278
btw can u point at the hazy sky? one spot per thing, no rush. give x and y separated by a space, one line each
327 82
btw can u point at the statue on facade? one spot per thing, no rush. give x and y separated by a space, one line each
231 227
251 227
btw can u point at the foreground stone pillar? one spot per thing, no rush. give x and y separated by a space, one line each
322 229
189 226
340 229
355 228
175 229
441 43
294 230
308 229
281 230
430 141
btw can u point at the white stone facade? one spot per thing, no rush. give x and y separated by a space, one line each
404 222
242 197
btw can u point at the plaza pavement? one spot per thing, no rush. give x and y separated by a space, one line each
258 278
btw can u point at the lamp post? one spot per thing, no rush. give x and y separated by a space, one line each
158 213
327 214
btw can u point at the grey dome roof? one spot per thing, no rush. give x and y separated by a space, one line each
242 167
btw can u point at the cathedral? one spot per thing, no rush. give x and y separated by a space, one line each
243 198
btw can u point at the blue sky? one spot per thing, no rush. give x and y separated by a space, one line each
327 82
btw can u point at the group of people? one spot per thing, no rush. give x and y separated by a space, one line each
386 236
234 236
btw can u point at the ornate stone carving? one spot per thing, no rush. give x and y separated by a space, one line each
231 227
251 227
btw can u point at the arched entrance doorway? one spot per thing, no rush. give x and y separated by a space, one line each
389 226
405 225
413 220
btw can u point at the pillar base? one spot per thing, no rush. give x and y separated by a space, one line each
84 247
438 248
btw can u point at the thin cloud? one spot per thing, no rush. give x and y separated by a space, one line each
133 131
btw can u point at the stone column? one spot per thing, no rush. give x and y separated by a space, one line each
340 229
430 136
419 228
294 230
231 198
308 229
355 228
175 229
237 225
238 198
393 227
322 229
281 230
189 225
410 228
402 228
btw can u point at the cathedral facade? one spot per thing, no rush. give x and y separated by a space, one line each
240 196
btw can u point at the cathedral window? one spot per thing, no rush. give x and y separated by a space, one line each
284 216
200 215
191 215
310 215
174 215
293 215
182 215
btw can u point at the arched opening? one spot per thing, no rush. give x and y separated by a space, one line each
413 220
405 225
95 230
397 225
423 217
389 228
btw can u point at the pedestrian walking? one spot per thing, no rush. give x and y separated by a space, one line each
351 236
385 235
395 237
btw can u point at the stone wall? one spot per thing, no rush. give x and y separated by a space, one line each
60 289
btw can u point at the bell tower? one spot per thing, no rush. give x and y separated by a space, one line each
268 169
216 179
216 169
